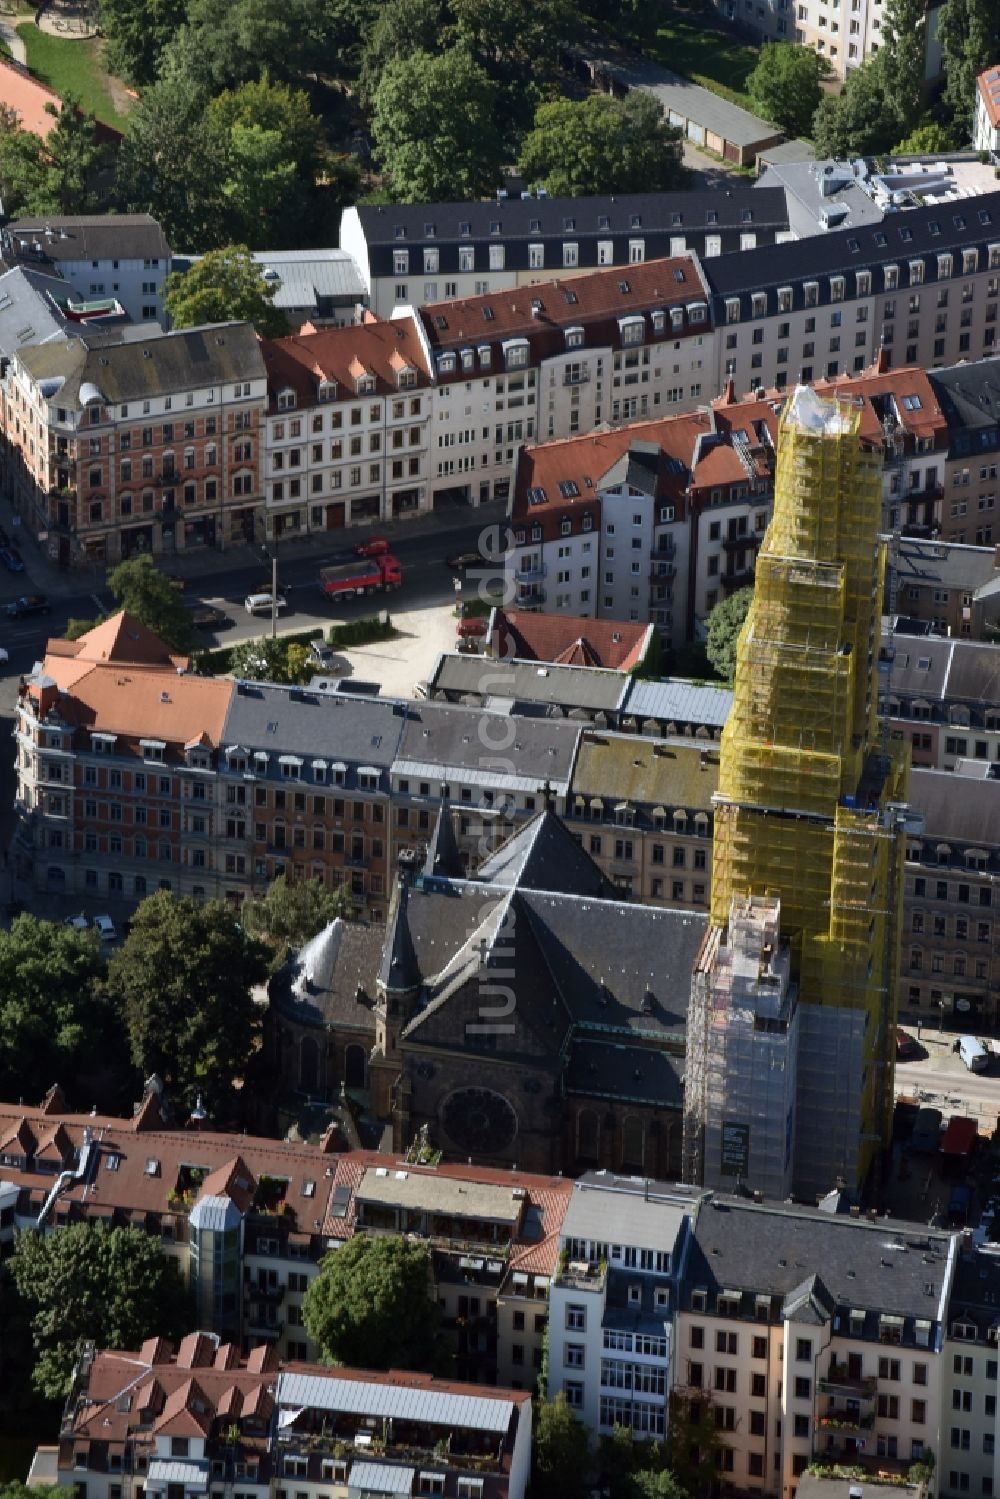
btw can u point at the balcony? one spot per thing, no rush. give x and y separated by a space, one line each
257 1294
842 1422
578 377
529 597
742 539
582 1275
839 1382
661 570
528 572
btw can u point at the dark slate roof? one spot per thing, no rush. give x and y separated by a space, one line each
765 1250
521 220
152 364
484 748
900 238
625 1073
108 236
975 1292
606 955
936 564
399 971
952 670
297 721
969 396
957 809
544 855
318 985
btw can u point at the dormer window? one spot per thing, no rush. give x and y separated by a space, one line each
659 320
326 390
632 329
153 749
102 744
286 399
366 385
468 359
485 355
574 338
446 364
516 353
407 378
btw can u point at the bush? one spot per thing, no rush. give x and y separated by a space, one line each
362 631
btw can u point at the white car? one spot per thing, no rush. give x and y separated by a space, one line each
4 658
105 928
78 923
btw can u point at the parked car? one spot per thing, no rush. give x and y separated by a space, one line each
461 560
105 928
472 629
209 618
322 654
906 1045
30 603
4 658
11 559
78 923
375 546
262 603
973 1054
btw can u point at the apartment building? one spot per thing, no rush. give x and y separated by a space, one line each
942 698
121 255
348 427
303 791
204 1421
624 1250
986 120
844 32
653 522
966 394
115 761
967 1464
815 1338
430 252
953 587
558 359
118 448
922 286
950 960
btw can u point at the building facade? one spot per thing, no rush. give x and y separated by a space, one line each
121 255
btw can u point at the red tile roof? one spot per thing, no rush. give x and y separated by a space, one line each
380 348
530 635
989 89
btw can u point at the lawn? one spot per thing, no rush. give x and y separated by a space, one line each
71 67
689 44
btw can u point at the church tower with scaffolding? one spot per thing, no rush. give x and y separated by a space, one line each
791 1027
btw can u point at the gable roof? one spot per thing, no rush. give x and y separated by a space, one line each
544 855
122 639
342 355
531 635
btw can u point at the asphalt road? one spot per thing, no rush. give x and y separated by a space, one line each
942 1081
426 580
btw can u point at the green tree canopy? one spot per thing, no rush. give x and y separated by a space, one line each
25 187
75 158
371 1306
144 591
171 164
114 1286
54 1027
182 982
862 120
137 32
969 34
292 911
401 28
264 660
724 625
225 285
904 41
925 140
435 127
603 145
785 85
560 1451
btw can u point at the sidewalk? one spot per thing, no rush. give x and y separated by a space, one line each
203 562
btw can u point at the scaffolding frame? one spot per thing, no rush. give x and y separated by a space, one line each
809 807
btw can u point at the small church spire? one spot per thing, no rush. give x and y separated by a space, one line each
399 972
443 860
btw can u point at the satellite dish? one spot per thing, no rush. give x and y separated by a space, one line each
962 1006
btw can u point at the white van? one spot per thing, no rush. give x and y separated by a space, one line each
260 603
973 1054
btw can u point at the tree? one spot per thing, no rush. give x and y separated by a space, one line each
401 28
181 981
75 158
925 140
435 127
785 85
517 42
142 590
222 46
263 660
862 120
370 1305
114 1286
603 145
657 1483
272 144
171 165
225 285
25 186
904 41
969 35
137 32
293 911
724 625
54 1027
560 1451
693 1441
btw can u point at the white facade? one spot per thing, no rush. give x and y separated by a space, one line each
986 118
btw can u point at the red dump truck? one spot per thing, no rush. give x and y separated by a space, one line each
366 575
